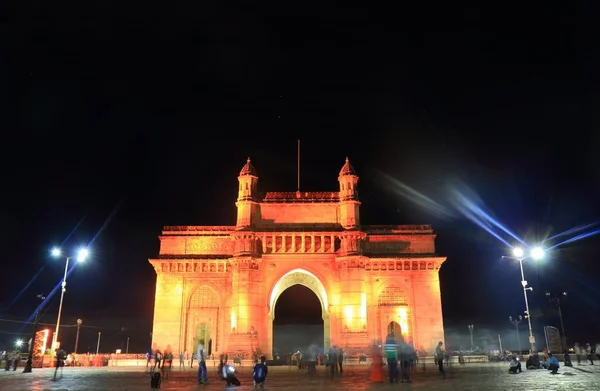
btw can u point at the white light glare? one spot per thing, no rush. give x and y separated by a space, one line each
518 252
82 255
18 343
537 253
56 252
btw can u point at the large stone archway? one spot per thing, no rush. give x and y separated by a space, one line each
312 282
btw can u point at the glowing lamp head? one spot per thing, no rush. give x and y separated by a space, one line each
82 254
518 252
537 253
56 252
18 343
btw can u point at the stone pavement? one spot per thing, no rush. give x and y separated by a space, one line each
473 377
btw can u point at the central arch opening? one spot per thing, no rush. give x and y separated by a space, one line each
298 322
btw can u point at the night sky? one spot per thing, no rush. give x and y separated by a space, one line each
117 121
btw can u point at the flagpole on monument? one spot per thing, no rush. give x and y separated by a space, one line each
298 166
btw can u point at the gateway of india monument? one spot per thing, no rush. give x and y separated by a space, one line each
221 284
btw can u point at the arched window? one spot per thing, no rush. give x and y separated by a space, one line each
204 297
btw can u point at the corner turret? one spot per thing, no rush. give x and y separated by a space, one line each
349 203
247 201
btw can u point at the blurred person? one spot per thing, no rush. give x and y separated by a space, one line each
439 354
406 356
514 365
259 373
16 360
340 357
391 357
376 364
590 353
578 352
202 372
553 363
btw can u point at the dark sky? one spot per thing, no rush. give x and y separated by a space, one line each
117 121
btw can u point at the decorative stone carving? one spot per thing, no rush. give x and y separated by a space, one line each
272 267
209 245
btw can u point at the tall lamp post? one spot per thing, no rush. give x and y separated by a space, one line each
555 299
79 322
29 362
81 256
518 253
516 322
471 327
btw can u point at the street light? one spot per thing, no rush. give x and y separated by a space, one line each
536 253
516 322
555 299
18 343
471 332
82 254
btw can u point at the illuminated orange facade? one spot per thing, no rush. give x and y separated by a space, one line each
221 284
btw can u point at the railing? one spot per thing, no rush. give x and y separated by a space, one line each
302 196
423 228
195 228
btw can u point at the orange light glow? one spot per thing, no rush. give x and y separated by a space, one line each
44 342
403 321
363 308
233 321
349 313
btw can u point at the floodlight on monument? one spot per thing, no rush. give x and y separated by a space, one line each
82 254
537 253
56 252
518 252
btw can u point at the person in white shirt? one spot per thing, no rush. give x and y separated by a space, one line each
514 365
201 356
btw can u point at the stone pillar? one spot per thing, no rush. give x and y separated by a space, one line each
427 310
322 249
269 337
303 246
168 304
312 243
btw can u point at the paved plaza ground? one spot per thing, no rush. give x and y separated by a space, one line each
492 376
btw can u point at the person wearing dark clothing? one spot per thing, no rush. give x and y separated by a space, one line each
259 374
533 362
61 355
16 360
332 361
340 357
439 354
7 360
406 355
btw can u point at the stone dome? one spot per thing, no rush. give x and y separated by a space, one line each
347 169
248 169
